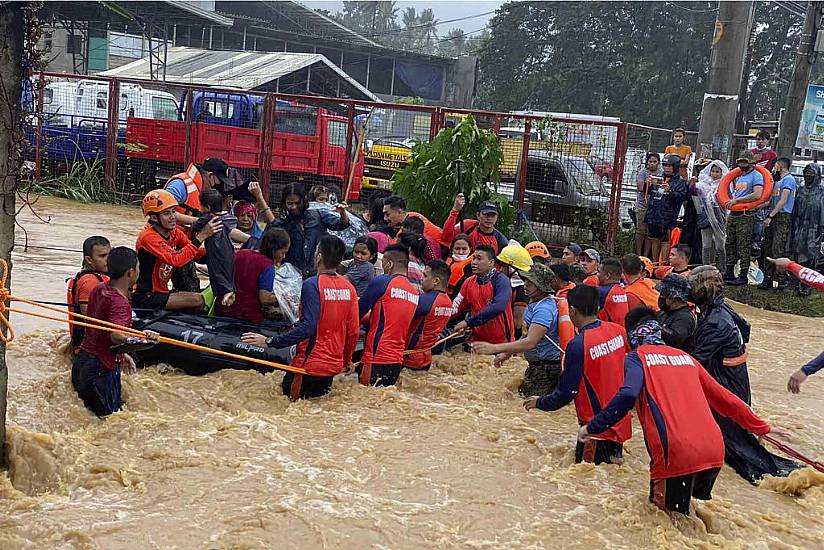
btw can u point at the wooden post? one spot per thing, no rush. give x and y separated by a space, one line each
110 168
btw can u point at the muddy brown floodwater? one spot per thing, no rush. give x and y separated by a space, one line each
447 459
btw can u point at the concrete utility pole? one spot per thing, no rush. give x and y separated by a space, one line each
796 95
718 113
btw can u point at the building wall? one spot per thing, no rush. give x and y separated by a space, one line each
453 80
54 42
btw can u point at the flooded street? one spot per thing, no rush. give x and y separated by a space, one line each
448 459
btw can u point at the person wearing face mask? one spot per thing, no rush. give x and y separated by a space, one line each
676 320
778 220
664 203
652 169
720 345
541 343
714 228
807 228
460 263
747 187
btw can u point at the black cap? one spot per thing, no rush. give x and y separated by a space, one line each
489 206
220 169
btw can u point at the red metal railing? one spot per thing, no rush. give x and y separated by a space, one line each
556 192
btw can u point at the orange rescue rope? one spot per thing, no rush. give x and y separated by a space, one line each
8 335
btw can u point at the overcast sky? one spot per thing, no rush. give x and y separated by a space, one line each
444 10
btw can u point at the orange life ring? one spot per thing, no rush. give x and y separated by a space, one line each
722 195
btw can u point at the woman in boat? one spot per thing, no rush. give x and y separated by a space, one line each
305 227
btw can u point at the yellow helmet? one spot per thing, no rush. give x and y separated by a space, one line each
515 255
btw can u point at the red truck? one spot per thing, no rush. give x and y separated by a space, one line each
309 142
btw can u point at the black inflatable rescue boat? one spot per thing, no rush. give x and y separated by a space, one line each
220 333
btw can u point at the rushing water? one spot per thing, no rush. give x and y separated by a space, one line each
448 459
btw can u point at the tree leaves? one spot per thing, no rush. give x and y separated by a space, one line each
644 62
429 182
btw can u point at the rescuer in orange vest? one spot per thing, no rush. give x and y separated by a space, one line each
187 186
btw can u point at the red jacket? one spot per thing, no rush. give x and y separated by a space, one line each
392 301
806 275
451 228
433 313
612 303
488 302
681 435
327 330
604 348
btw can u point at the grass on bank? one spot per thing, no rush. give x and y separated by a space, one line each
785 301
83 182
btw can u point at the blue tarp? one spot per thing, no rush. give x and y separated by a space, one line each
426 81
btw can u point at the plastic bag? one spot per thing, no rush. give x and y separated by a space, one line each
287 285
357 227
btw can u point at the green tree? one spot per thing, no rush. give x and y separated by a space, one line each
454 44
429 182
373 19
645 62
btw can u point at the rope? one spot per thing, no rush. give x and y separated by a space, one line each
789 451
436 344
98 324
421 350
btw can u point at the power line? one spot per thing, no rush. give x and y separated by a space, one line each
674 5
424 25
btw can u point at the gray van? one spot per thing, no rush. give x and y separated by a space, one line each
565 198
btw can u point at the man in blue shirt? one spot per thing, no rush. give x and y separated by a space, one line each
540 344
747 187
778 221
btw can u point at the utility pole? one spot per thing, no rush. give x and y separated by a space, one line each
794 104
718 113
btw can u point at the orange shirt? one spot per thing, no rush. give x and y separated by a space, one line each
683 151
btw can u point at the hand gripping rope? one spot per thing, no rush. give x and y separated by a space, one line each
8 335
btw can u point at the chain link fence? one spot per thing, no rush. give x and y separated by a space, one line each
570 177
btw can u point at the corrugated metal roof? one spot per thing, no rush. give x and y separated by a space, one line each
200 12
231 69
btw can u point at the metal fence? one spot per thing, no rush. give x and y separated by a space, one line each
566 175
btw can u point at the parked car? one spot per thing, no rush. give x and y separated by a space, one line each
565 198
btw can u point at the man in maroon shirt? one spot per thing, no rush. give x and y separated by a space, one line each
762 154
96 370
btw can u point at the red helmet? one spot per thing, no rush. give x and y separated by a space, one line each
158 201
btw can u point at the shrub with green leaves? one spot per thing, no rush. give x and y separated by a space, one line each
83 182
429 182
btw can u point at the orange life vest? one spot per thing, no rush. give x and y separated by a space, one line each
457 272
194 183
644 290
566 330
429 229
77 332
